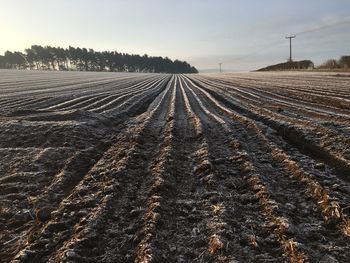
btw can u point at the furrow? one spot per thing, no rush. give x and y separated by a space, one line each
118 99
268 153
308 137
86 200
116 178
249 238
160 177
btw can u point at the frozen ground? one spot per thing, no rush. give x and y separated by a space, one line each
120 167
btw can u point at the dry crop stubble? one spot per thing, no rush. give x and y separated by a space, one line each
120 167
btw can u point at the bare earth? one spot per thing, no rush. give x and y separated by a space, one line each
122 167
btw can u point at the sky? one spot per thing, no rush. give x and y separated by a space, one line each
242 34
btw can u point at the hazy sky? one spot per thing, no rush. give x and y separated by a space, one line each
242 34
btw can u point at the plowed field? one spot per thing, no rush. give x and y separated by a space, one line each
123 167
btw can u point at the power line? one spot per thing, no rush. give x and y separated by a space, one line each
343 21
290 46
274 44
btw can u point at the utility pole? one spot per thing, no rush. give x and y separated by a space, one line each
290 47
220 66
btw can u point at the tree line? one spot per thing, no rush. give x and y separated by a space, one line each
81 59
303 64
342 62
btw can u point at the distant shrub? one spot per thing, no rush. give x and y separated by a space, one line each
329 64
344 62
303 64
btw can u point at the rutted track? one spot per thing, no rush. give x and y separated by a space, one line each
102 167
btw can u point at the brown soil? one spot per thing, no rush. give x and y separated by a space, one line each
172 168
